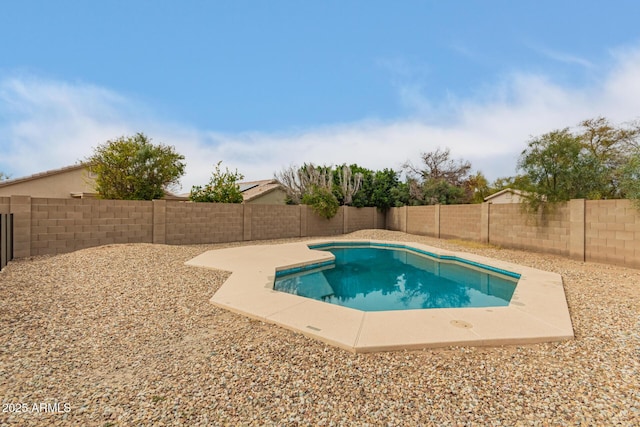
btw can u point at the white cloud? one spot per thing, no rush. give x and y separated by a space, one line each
621 91
48 124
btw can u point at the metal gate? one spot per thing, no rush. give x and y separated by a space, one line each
6 239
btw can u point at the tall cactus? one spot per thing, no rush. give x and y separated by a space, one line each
298 181
349 183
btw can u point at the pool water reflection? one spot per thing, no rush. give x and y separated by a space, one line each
379 279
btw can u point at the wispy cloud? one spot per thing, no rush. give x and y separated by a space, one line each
466 52
409 81
46 124
563 57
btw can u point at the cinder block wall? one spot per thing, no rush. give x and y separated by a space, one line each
606 231
421 220
381 220
397 218
50 226
64 225
194 223
460 221
612 232
509 226
318 226
362 219
274 221
505 225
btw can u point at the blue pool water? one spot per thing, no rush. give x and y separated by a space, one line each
371 278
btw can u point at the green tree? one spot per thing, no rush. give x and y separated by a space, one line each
560 169
381 189
612 147
518 182
477 188
3 176
388 191
630 178
132 168
222 188
441 192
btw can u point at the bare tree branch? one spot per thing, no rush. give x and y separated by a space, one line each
439 166
297 181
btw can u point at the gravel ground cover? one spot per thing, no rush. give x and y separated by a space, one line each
124 335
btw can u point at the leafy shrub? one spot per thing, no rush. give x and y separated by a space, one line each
222 188
322 201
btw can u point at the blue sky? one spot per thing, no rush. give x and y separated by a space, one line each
262 85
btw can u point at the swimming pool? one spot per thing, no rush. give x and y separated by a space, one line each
537 311
374 277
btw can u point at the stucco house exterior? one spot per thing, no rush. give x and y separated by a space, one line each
265 192
71 181
507 195
77 181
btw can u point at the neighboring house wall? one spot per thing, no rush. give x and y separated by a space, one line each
58 184
5 204
506 196
273 197
64 183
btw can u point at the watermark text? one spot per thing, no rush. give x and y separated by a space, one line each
37 408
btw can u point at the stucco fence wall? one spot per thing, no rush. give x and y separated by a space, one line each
50 226
586 230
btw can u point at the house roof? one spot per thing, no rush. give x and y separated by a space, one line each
506 190
250 189
40 175
255 189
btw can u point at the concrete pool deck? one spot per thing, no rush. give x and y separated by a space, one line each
537 312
